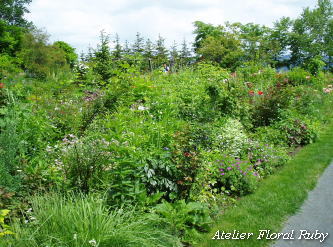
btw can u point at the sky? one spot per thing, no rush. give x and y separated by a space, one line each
79 22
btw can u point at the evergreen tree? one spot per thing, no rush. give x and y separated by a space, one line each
138 46
161 53
174 56
149 54
127 50
118 50
102 58
185 54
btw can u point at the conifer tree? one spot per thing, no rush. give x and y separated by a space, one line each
118 50
138 46
161 53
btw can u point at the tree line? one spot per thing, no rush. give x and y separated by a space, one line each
25 48
305 41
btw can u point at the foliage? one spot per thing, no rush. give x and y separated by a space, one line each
233 176
231 138
84 162
207 131
4 229
311 32
10 146
12 11
185 218
8 66
315 65
296 131
71 56
102 59
224 50
40 59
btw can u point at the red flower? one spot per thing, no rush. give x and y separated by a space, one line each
2 85
187 154
260 92
251 92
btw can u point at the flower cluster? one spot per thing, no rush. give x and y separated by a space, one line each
328 89
252 93
243 167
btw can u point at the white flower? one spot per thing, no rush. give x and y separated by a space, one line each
92 242
142 108
75 236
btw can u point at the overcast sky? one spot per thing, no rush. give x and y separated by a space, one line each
79 22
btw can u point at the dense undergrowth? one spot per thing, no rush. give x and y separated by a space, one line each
148 158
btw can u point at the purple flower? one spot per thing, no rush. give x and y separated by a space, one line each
229 168
222 173
221 169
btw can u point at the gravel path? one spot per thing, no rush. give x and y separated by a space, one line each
315 218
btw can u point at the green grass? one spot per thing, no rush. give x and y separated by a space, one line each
85 221
279 196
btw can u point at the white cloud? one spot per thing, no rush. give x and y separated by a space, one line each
79 22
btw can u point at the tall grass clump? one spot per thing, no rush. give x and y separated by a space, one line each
9 144
85 221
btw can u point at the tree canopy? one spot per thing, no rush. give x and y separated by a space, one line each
12 12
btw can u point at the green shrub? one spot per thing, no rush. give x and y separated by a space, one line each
230 137
298 76
85 162
187 219
4 229
224 175
234 176
315 65
266 158
268 105
297 131
270 135
8 66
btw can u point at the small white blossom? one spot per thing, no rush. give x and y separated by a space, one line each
142 108
92 242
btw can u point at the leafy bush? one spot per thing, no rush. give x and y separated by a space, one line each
268 105
270 135
234 176
315 65
187 219
8 66
298 76
230 137
266 158
161 174
227 176
84 162
297 131
4 229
